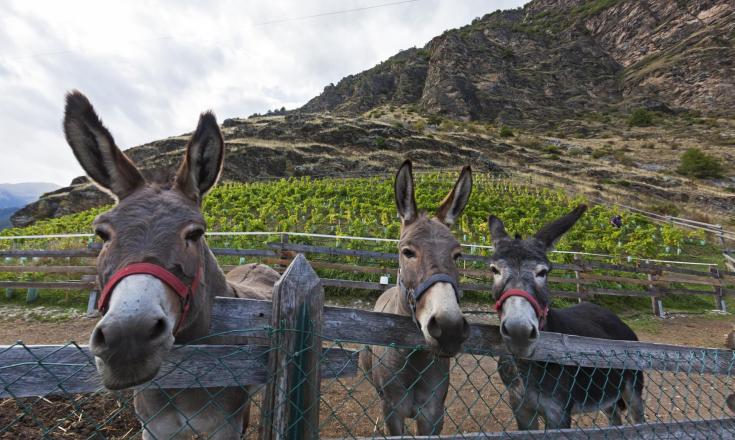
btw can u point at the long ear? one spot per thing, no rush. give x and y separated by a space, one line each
205 155
455 202
497 230
95 148
551 233
405 200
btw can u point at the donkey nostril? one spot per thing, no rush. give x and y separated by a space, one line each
434 328
158 329
504 329
98 338
533 334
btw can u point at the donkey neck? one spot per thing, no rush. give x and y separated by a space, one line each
213 284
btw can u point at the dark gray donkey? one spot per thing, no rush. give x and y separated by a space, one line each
552 391
159 276
414 383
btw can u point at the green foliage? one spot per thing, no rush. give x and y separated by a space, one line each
366 207
640 118
379 141
505 131
696 163
434 120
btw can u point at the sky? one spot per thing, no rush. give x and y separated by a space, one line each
151 67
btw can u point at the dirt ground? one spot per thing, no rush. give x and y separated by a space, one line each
350 405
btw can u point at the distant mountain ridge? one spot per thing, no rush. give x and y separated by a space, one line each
557 59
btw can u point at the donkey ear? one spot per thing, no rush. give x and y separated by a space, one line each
455 202
405 200
95 148
551 233
205 155
497 230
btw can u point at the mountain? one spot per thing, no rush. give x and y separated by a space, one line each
546 92
554 59
14 196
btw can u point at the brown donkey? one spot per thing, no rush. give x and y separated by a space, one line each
159 277
414 383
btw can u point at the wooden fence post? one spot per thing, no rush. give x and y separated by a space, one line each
291 404
576 276
719 297
657 304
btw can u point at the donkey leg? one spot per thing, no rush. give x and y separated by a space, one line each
526 416
394 420
557 416
633 397
613 415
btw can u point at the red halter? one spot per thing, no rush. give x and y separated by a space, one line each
182 289
541 312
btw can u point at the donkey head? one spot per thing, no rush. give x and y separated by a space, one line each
427 254
519 269
151 262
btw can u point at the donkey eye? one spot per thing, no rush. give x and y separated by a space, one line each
102 233
542 273
457 256
494 269
408 253
194 234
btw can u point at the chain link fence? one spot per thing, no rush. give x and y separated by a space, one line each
298 360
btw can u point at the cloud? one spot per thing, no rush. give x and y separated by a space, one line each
151 68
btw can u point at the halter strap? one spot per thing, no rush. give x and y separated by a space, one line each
541 311
184 291
413 295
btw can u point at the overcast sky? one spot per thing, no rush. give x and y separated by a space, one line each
151 67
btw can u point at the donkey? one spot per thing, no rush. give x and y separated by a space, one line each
414 383
520 269
159 277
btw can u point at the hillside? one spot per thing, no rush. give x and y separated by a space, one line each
14 196
545 92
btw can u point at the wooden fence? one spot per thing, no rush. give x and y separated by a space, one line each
580 279
245 351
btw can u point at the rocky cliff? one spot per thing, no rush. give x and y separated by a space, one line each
555 59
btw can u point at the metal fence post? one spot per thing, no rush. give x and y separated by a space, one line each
291 403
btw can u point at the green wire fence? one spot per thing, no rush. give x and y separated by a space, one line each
298 361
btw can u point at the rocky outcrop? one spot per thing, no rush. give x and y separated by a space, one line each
555 59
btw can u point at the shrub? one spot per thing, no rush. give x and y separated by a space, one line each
505 131
640 118
696 163
434 120
379 141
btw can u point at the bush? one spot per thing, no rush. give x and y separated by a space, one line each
505 131
696 163
434 120
640 118
379 141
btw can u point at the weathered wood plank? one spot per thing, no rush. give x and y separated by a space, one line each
374 328
50 269
693 429
49 253
291 403
82 285
42 370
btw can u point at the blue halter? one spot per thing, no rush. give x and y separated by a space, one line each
413 295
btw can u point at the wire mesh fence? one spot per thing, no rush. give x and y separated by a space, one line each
694 387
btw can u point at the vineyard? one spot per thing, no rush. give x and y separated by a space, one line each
365 207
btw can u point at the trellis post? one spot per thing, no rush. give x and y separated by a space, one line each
657 305
291 404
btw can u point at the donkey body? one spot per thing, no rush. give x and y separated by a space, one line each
552 391
414 383
159 277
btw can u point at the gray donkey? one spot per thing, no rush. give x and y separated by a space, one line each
414 383
159 277
552 391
